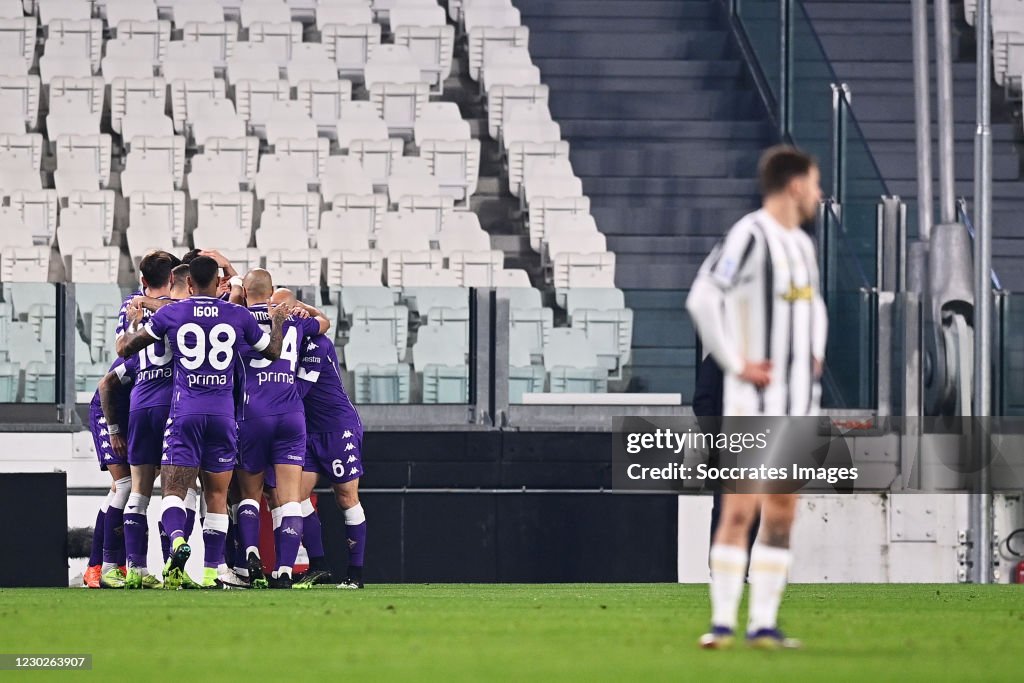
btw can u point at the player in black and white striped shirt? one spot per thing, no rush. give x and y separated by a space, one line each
757 305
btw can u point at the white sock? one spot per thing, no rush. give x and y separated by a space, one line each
769 567
728 567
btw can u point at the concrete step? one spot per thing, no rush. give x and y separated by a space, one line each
734 106
621 45
650 9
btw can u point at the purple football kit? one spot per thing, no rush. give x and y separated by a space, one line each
122 313
204 336
151 400
98 423
334 432
271 427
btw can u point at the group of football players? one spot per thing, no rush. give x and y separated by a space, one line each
230 391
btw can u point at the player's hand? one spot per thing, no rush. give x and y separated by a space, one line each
280 312
118 445
216 256
819 368
300 312
224 287
757 373
134 312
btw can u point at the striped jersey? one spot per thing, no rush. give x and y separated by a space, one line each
757 296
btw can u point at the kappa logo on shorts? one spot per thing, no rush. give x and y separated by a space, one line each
225 459
105 445
350 447
102 420
354 470
108 456
165 457
300 458
167 432
346 434
103 432
351 458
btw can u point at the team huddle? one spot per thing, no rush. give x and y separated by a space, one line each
226 381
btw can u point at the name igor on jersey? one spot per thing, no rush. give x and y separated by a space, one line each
328 408
205 336
270 385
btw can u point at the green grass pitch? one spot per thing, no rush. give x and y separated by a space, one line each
580 632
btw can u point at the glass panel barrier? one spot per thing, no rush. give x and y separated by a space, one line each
28 342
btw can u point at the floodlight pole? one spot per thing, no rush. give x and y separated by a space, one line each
981 499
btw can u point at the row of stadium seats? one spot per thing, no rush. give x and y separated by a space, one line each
271 148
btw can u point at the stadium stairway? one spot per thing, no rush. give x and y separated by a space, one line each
665 128
868 43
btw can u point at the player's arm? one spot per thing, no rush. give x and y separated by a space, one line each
267 345
313 313
706 305
112 384
225 265
133 342
150 304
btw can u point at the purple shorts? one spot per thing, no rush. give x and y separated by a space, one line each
147 429
209 442
336 455
271 440
101 440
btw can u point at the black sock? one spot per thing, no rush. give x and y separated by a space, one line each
355 574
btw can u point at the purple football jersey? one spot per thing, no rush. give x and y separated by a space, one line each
122 314
328 408
154 374
270 385
205 336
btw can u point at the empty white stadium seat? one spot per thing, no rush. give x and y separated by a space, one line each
95 264
53 10
154 35
440 355
476 268
19 95
294 267
533 327
572 364
607 323
350 46
159 210
455 164
38 212
24 264
545 209
18 43
89 208
487 26
378 377
85 153
215 40
297 213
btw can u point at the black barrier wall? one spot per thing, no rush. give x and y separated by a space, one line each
510 537
40 536
520 507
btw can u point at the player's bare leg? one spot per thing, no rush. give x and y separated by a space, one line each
136 528
111 573
250 486
289 533
769 567
729 566
176 481
347 497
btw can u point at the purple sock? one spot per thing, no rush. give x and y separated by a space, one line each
113 536
215 534
165 541
356 536
173 518
96 554
312 537
135 527
288 535
248 530
190 523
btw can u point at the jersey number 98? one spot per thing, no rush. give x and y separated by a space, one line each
217 347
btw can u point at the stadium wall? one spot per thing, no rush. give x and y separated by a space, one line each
493 505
